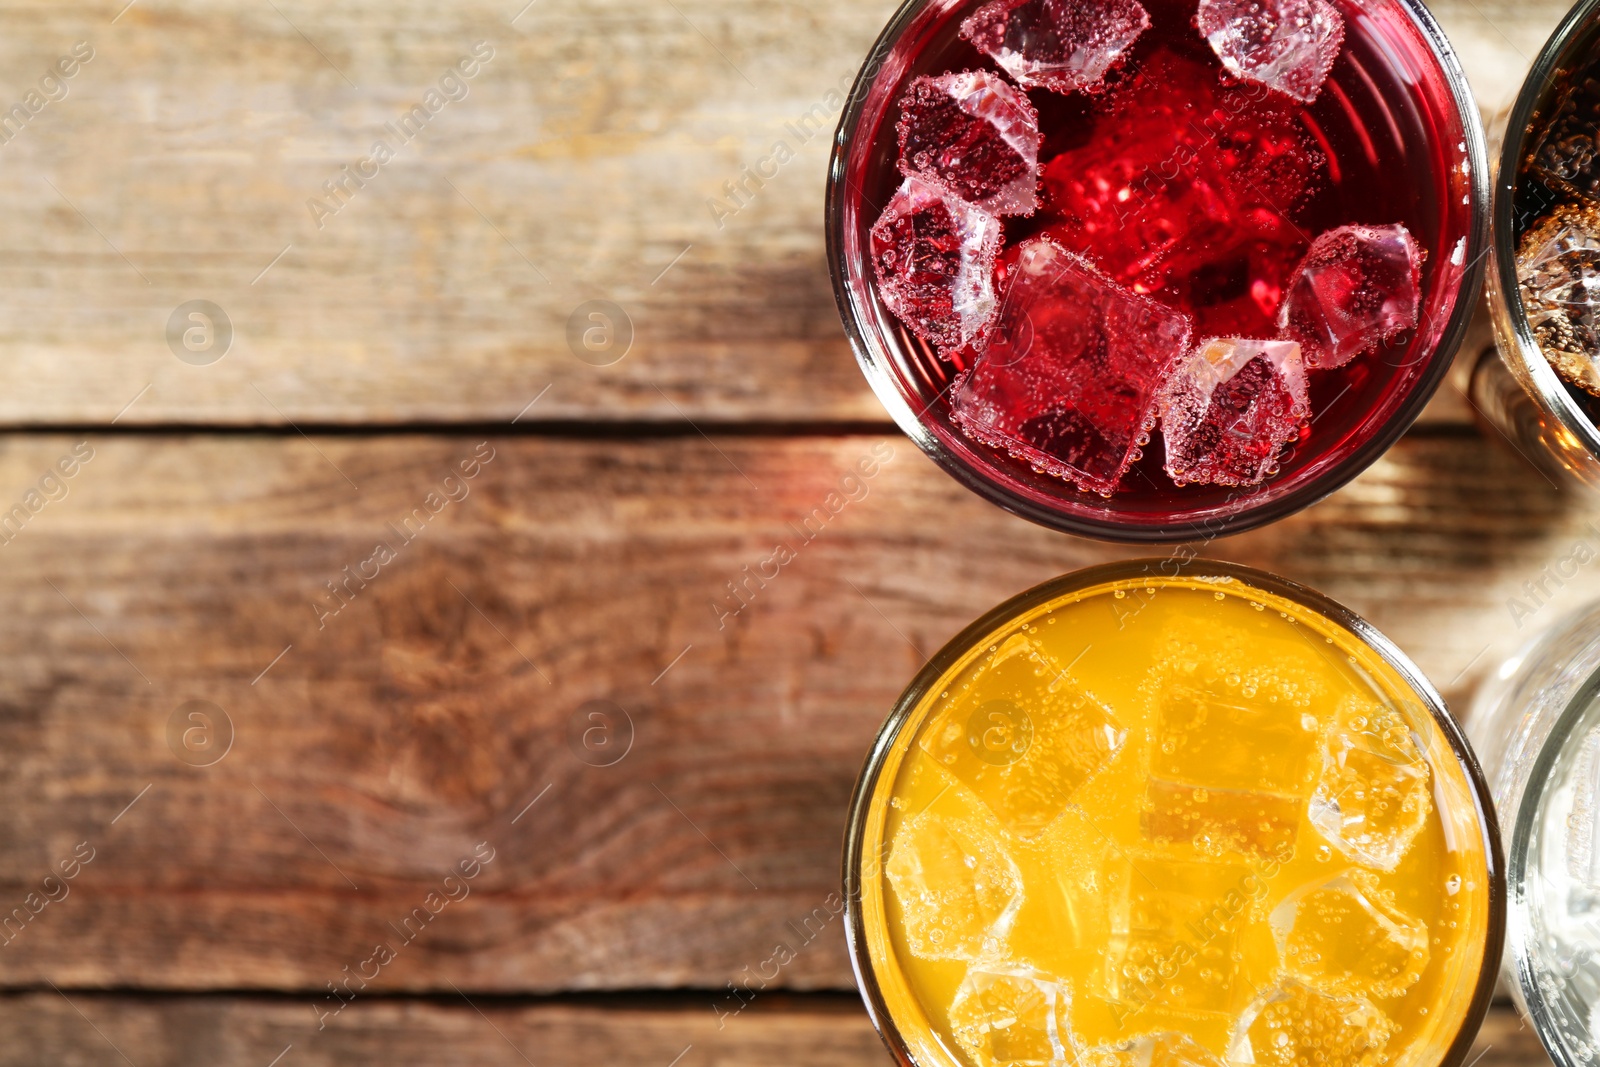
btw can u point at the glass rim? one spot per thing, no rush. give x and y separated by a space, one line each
1545 1028
979 481
1527 361
1331 610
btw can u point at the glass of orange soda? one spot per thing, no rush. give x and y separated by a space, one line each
1156 814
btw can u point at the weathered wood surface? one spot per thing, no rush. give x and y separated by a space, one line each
777 1031
445 710
580 166
448 695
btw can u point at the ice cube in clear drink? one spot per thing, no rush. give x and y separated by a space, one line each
1064 45
1230 408
958 887
973 137
1068 381
1373 796
1583 821
1356 288
1346 936
1287 45
1013 1016
934 259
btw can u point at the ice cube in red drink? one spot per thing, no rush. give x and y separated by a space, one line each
1228 410
1237 290
1287 45
1267 153
1065 45
1128 209
1187 189
1068 381
1356 288
972 136
934 260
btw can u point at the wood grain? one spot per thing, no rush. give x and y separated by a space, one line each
449 694
180 164
779 1031
578 167
85 1028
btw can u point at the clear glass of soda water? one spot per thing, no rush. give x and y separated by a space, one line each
1536 726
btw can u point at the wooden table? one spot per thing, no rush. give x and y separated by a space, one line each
362 743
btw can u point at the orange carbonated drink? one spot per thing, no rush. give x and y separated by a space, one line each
1155 816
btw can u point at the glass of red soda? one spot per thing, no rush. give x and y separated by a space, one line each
1151 270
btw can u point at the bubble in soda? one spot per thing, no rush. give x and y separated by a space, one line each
1565 154
1292 1025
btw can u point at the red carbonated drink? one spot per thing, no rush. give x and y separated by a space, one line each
1153 268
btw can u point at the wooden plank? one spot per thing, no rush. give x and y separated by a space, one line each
778 1031
829 1031
450 693
580 166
